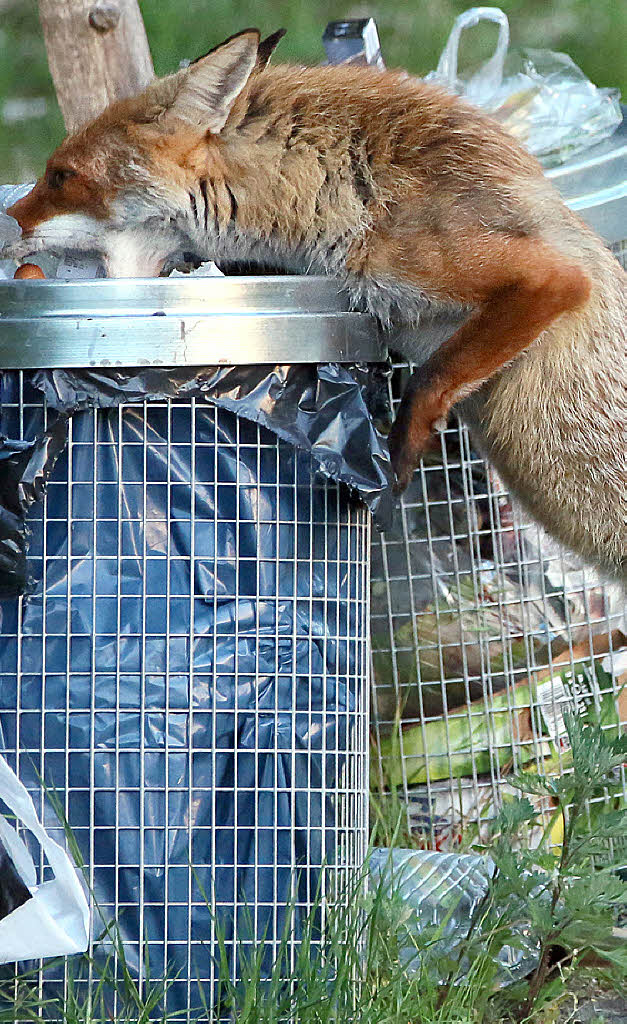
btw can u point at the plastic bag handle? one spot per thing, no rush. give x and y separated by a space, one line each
55 921
18 800
492 70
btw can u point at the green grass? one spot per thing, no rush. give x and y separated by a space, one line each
358 976
412 36
564 902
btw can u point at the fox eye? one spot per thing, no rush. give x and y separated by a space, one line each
57 178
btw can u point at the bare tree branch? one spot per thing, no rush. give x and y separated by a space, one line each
98 52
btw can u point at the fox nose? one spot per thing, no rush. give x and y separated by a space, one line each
22 211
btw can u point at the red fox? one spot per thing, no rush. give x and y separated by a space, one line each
417 203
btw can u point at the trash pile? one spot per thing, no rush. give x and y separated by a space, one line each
493 632
541 97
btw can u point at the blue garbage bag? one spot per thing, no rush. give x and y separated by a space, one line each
185 671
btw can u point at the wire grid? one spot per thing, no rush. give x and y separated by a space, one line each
191 677
482 628
620 251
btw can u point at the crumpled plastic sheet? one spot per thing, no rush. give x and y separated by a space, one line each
442 892
274 644
541 97
10 230
328 410
24 468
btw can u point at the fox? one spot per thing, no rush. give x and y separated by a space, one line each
424 209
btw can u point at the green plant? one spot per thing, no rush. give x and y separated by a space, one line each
566 901
373 964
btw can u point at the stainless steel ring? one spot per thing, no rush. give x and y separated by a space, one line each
182 322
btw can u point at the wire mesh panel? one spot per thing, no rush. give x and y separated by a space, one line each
188 677
483 633
620 251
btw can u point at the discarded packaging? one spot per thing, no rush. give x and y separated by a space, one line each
519 725
37 918
541 97
204 270
10 233
476 594
440 893
446 814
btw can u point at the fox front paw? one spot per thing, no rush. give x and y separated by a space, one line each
421 414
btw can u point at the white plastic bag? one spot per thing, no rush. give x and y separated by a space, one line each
55 920
483 86
541 97
10 231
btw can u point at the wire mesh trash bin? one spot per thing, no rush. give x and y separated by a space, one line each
190 670
483 630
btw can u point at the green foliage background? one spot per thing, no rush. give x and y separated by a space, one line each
412 36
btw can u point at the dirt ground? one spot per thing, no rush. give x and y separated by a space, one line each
592 1004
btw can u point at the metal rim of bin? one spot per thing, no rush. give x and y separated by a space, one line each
594 185
182 322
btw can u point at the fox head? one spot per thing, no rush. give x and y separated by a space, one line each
143 183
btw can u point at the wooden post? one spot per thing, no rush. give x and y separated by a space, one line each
97 51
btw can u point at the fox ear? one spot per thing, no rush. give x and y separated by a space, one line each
211 84
267 48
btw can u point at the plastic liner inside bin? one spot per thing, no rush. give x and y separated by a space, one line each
24 469
328 410
187 671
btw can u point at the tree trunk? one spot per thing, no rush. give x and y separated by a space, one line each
97 51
